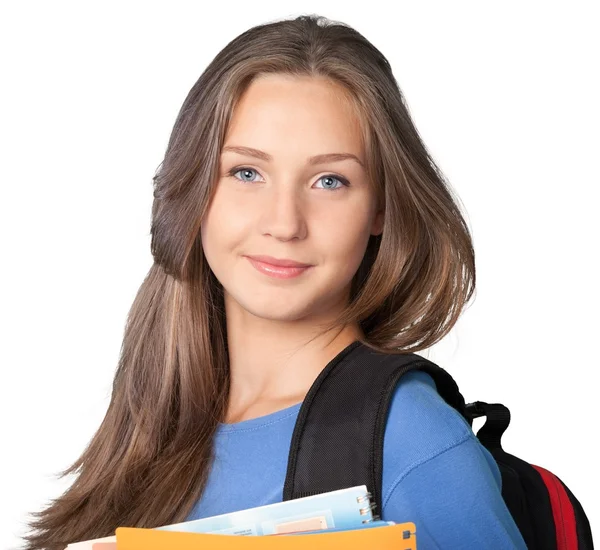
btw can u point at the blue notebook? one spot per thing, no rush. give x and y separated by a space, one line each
344 509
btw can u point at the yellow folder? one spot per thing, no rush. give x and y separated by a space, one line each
401 536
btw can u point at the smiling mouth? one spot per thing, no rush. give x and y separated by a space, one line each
278 262
278 271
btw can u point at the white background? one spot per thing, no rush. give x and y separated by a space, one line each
505 95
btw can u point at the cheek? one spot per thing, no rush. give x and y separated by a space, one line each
347 239
353 254
223 226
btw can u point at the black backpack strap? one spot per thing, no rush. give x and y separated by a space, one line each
497 420
338 437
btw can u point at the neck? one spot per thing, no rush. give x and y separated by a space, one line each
273 364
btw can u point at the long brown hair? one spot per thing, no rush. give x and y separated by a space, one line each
148 463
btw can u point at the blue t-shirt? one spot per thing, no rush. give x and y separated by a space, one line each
435 471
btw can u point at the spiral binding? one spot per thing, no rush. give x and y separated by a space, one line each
367 509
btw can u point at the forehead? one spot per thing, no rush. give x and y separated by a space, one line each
309 115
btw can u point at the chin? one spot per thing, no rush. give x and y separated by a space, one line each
284 304
287 313
276 308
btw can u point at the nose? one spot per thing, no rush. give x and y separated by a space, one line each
282 213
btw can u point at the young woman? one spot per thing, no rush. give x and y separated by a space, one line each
296 211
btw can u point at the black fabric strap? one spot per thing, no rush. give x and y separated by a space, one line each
338 437
497 420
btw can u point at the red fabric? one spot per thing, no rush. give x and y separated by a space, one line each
562 510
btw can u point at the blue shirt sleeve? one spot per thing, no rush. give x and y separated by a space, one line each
437 474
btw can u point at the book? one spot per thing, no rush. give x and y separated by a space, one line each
344 509
407 532
400 536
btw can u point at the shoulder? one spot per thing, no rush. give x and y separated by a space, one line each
437 474
417 411
421 427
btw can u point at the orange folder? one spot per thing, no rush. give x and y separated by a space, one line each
401 536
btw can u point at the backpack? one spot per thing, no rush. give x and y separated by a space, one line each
323 454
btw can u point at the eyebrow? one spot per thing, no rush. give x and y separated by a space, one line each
317 159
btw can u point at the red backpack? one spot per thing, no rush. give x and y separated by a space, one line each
547 514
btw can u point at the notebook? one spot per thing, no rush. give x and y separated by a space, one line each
408 541
392 537
342 509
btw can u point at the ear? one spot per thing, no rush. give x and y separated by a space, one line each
377 226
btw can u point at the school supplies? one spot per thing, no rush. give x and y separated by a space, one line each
345 508
393 537
341 510
343 416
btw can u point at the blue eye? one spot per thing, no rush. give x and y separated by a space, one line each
234 171
343 182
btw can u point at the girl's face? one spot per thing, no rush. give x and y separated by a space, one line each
274 201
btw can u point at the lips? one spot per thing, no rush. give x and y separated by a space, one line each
278 262
290 270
